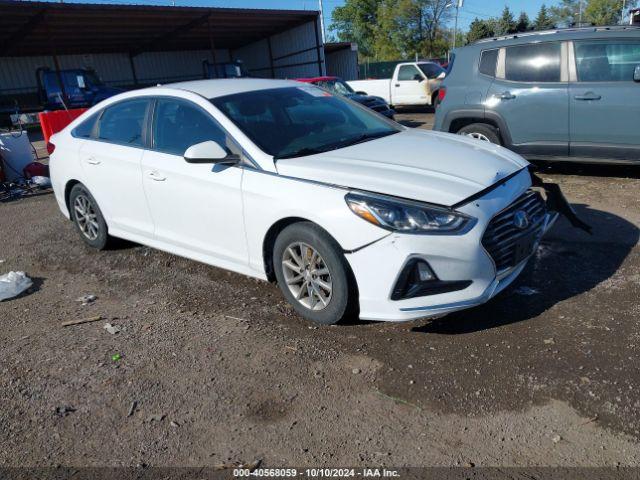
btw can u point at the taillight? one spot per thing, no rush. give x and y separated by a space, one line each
441 94
50 148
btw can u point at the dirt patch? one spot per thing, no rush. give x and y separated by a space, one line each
221 369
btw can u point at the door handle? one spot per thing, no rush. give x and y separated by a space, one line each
397 84
588 96
153 175
92 161
506 96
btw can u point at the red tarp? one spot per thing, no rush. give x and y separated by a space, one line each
53 122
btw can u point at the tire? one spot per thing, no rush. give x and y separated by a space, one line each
331 306
95 234
481 131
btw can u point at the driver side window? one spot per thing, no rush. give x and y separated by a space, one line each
408 72
178 124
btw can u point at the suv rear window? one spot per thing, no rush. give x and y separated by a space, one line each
607 61
538 62
488 62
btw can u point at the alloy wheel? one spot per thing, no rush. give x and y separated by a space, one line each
307 276
478 136
86 217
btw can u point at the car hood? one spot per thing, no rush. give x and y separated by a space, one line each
427 166
366 99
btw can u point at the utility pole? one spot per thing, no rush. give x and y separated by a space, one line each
459 4
624 5
580 17
322 21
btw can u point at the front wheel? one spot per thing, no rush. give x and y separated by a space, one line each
482 132
313 274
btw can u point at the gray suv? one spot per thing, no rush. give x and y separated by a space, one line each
569 94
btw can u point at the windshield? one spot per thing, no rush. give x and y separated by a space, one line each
92 79
431 70
339 87
298 121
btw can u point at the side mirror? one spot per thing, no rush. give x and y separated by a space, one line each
636 74
418 77
209 152
442 75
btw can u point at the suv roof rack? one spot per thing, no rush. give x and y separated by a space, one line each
613 28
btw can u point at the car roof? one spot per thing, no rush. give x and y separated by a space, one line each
316 79
229 86
560 34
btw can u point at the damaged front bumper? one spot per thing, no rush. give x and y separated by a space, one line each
465 259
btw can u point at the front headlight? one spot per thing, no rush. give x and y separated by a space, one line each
406 216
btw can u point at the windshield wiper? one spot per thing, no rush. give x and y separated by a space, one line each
365 137
300 153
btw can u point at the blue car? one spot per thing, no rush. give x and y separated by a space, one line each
340 87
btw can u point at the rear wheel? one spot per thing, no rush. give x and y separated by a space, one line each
313 274
481 131
88 218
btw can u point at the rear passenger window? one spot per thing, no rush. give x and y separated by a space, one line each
488 62
537 63
85 129
178 125
123 122
607 61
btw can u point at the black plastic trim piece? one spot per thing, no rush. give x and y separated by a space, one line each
403 289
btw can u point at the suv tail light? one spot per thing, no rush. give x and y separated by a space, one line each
50 148
441 94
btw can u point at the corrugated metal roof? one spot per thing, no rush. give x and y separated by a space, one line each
40 28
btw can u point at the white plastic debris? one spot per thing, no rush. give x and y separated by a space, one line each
13 284
86 299
43 182
112 329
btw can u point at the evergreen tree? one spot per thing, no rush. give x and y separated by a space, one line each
480 29
543 20
506 23
524 24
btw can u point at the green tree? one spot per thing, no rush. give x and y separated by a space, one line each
392 29
568 12
357 21
433 14
506 23
479 29
543 21
606 12
524 24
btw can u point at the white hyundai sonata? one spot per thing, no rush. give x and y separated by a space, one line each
350 213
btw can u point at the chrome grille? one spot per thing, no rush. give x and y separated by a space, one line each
502 234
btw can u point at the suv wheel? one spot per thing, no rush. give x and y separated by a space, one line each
313 274
481 131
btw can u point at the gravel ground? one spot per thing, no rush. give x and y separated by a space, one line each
214 367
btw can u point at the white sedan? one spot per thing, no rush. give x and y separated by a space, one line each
350 213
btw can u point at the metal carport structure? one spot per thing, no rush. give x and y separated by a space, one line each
128 39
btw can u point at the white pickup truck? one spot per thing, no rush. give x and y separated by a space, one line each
413 83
